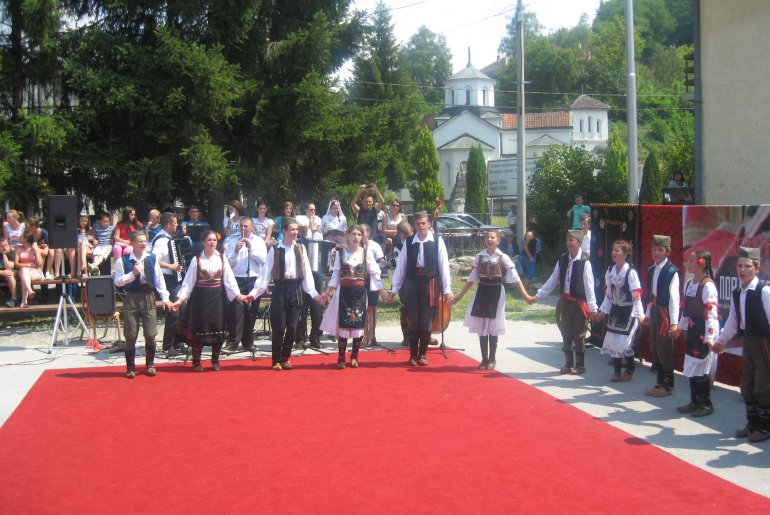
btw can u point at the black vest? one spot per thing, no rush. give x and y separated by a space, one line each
576 287
756 320
279 262
149 272
430 256
664 281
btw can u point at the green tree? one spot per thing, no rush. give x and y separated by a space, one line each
428 62
560 173
424 186
477 184
652 183
612 179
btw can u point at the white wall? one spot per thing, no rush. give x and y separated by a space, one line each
735 73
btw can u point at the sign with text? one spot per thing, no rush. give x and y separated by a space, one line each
503 176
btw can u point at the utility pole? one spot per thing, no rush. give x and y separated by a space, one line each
521 193
633 170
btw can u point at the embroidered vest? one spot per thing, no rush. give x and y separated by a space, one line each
353 271
694 306
576 287
621 296
664 281
279 265
430 257
756 320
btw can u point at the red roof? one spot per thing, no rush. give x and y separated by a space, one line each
552 120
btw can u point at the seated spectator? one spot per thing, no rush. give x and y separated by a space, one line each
232 220
13 228
78 256
194 219
7 258
334 223
101 240
263 224
29 263
681 193
123 229
51 257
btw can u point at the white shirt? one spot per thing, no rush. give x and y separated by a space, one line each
330 222
123 277
248 261
586 245
260 228
161 250
731 326
210 265
290 272
588 282
443 262
673 292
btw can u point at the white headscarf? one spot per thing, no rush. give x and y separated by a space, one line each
328 216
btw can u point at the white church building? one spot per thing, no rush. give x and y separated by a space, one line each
471 118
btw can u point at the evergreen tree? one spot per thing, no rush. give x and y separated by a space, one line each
612 179
476 181
652 183
424 186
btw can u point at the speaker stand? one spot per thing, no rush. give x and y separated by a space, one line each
61 322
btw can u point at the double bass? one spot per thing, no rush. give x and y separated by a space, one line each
443 313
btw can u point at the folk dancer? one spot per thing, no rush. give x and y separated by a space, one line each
246 257
700 320
140 275
206 285
749 316
663 315
422 261
346 315
287 265
575 278
486 312
623 309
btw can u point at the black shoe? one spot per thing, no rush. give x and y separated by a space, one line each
229 350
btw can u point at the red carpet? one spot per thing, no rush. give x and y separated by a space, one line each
380 439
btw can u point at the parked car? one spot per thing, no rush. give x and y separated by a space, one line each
462 238
465 217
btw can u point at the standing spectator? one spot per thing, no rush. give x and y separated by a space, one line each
585 226
263 224
367 212
28 262
512 219
123 229
530 249
286 212
576 210
7 258
393 217
194 219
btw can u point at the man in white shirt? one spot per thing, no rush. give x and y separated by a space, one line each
160 246
140 274
289 269
422 261
246 257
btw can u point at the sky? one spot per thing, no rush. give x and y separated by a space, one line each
478 24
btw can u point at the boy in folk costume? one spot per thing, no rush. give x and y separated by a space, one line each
662 315
575 278
140 274
749 315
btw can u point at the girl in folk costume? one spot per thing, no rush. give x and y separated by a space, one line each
700 320
345 317
623 308
209 284
486 312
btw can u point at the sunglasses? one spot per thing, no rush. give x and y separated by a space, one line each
396 205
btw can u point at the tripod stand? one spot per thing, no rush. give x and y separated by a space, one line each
61 322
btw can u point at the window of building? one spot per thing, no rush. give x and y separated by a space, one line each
486 96
590 121
467 96
598 126
581 125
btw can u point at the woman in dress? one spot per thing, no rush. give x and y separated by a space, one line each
263 224
390 221
345 316
486 312
701 321
334 223
208 285
29 263
623 309
122 235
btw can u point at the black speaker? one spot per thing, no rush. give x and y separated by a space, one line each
62 221
100 294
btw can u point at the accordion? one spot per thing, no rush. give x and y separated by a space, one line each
180 251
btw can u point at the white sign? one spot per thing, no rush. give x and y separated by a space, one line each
503 176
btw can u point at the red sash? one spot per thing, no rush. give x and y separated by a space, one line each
580 302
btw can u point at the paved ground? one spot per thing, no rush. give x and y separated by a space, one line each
529 352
